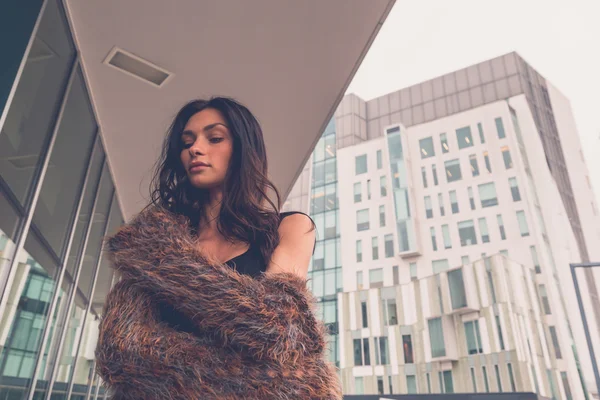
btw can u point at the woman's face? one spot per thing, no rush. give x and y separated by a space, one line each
207 149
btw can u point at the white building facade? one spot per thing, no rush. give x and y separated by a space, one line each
472 183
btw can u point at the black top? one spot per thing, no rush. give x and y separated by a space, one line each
250 262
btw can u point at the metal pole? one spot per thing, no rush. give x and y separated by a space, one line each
13 90
585 323
93 378
60 276
75 283
89 305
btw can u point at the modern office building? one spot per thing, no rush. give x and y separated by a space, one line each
456 206
87 91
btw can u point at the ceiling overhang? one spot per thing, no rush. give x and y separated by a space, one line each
290 62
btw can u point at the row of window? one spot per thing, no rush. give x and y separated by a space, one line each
376 278
454 172
358 192
388 248
464 139
487 196
361 165
446 383
363 221
468 235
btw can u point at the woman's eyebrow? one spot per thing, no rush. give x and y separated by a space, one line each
211 126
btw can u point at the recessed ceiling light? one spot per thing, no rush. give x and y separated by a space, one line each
137 67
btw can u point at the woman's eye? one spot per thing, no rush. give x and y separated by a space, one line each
216 140
187 145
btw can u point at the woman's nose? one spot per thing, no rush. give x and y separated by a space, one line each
197 149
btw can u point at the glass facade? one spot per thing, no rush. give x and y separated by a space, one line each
402 207
325 273
58 202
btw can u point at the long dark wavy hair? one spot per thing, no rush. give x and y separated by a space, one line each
247 213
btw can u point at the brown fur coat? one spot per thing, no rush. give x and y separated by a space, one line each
249 338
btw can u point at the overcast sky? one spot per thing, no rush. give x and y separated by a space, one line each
422 39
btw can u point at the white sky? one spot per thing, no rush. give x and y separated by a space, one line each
423 39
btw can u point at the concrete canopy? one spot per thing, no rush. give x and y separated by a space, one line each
290 62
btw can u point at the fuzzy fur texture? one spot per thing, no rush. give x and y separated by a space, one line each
248 338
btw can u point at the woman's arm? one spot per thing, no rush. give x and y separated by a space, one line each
138 356
272 316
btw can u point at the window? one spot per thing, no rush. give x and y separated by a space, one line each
359 257
368 189
534 258
382 215
498 380
446 236
434 173
474 165
359 386
500 335
361 352
486 383
382 354
481 136
483 231
552 387
514 189
458 295
379 159
426 146
466 231
357 192
436 338
433 240
382 186
411 384
424 176
501 227
487 195
453 170
428 375
362 220
359 280
380 384
375 247
389 245
544 299
363 310
395 275
446 383
471 198
376 278
565 381
360 164
473 335
441 201
554 338
408 349
428 209
465 260
464 138
522 223
473 380
388 305
444 141
486 158
413 271
440 266
454 202
500 128
390 384
511 376
507 158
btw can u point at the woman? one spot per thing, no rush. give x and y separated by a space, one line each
212 301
